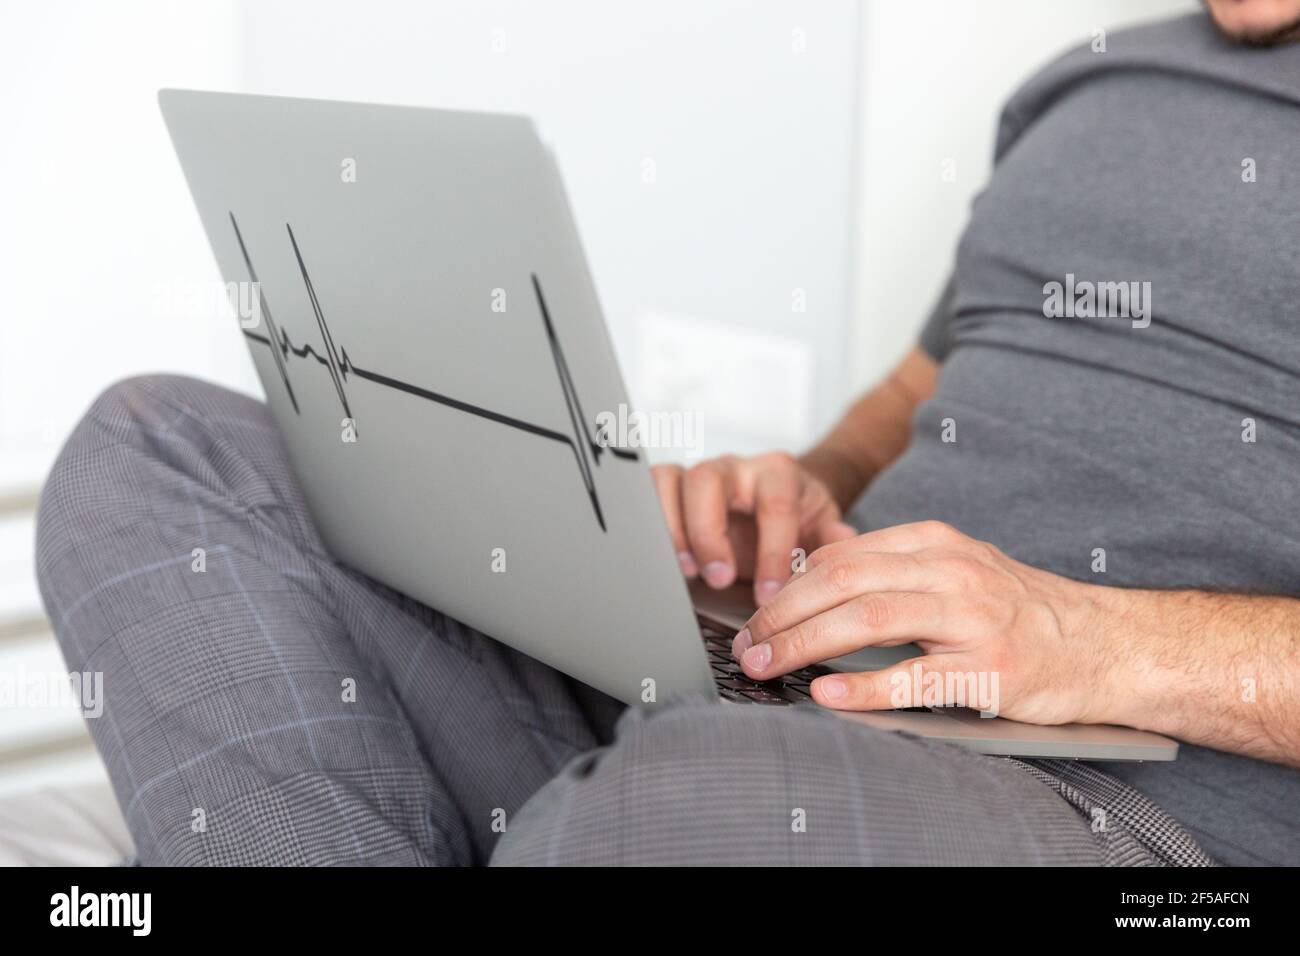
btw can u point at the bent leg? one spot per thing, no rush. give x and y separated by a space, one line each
264 704
702 783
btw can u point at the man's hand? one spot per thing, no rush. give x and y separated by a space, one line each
742 518
973 610
1221 670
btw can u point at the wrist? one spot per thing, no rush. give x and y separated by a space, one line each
1130 682
843 476
1090 618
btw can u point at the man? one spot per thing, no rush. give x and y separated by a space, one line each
1083 481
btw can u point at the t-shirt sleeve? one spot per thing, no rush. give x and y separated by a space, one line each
934 334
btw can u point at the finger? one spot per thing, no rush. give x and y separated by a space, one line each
821 523
935 680
668 485
902 538
776 513
832 583
706 495
832 531
877 619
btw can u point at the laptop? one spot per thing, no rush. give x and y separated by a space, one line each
428 335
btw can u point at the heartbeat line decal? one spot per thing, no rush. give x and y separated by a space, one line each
586 449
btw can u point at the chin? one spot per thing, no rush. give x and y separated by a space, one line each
1257 22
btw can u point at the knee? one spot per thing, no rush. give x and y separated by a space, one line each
143 405
131 412
143 437
119 416
162 419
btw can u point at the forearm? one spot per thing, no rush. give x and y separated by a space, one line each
874 431
1221 670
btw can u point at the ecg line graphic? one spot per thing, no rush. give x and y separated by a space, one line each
339 365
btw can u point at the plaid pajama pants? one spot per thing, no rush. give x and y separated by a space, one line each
265 704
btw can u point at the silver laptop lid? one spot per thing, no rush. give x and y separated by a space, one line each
433 351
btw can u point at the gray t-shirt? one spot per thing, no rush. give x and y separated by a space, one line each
1172 158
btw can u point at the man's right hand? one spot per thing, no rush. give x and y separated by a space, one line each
742 518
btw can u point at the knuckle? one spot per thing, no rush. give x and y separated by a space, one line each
706 530
939 530
817 558
840 575
703 471
764 623
879 691
865 692
799 641
728 466
776 506
962 569
873 612
779 459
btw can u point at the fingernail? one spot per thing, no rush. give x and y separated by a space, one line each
766 590
741 643
687 562
758 657
832 688
718 574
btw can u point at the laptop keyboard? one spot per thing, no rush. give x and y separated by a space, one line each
732 683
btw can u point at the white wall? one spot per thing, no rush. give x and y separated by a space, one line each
935 77
755 146
106 272
96 231
746 112
96 218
